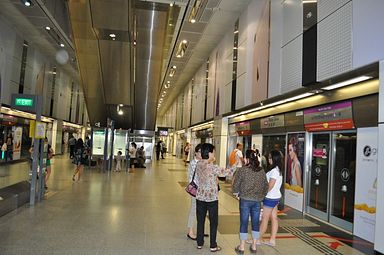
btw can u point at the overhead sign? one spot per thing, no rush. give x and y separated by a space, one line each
24 102
243 128
273 121
330 117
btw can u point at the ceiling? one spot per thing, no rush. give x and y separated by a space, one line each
203 36
128 72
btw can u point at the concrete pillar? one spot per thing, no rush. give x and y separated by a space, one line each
174 143
379 228
220 137
57 136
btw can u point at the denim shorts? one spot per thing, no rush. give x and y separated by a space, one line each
268 202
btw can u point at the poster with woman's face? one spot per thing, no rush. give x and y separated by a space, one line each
295 159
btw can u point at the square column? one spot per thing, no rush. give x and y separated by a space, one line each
220 137
379 228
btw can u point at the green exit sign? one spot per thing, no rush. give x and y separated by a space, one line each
24 102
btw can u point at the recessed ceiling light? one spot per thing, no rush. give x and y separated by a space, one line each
62 45
178 56
237 31
174 67
26 2
193 21
113 39
134 42
168 82
120 112
166 86
171 4
48 28
185 41
112 35
121 105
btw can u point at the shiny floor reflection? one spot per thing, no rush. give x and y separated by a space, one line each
144 212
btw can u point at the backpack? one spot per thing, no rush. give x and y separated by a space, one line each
232 157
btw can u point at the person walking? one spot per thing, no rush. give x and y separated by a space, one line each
80 159
158 150
271 200
187 147
48 170
72 145
207 195
119 159
251 185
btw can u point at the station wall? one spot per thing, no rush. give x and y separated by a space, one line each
61 90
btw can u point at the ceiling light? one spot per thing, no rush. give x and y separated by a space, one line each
299 96
236 31
171 4
235 48
197 10
26 2
121 105
168 82
178 56
112 35
185 41
62 45
348 82
48 28
134 42
53 72
166 86
309 1
120 112
174 67
113 39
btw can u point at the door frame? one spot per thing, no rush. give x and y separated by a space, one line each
325 216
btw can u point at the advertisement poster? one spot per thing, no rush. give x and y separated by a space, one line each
120 142
366 183
98 142
294 192
17 138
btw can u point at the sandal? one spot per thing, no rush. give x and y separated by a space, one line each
238 251
252 250
269 243
190 237
217 248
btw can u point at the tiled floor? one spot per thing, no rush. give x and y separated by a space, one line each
144 212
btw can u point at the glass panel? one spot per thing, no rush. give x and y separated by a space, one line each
319 172
343 186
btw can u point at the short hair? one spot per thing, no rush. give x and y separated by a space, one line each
238 144
197 148
206 148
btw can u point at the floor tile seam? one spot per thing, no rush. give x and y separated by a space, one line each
313 242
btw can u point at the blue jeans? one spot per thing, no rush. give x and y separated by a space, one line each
248 207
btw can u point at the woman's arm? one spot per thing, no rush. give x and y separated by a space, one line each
271 184
298 174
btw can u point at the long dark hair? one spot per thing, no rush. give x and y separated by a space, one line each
276 160
79 143
253 161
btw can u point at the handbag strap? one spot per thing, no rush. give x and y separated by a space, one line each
193 177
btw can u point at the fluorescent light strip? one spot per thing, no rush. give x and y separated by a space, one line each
348 82
272 104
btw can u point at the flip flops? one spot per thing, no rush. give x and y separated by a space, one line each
269 243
